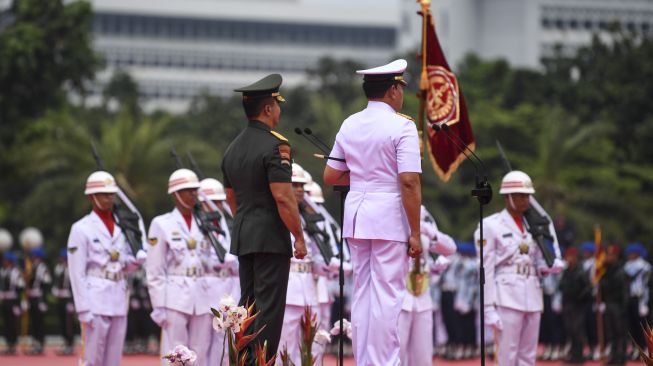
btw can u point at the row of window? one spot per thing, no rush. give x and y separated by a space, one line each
594 25
204 62
125 25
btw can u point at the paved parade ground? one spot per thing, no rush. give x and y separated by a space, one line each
50 359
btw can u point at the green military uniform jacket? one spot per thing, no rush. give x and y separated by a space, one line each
257 157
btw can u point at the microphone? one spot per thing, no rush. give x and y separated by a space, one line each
439 128
320 156
310 133
446 128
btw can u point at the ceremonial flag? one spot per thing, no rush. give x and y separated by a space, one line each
599 257
442 102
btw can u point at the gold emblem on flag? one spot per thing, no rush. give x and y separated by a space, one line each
443 96
191 243
115 255
523 248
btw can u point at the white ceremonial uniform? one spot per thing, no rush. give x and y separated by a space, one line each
302 292
513 263
377 145
416 317
176 263
97 262
220 279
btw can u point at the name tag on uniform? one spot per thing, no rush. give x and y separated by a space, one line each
96 240
507 235
176 239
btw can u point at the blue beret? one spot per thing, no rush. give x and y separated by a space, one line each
588 246
10 256
636 248
467 248
37 252
63 253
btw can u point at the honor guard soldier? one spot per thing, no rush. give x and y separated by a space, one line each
176 261
638 273
416 318
376 153
98 259
466 300
513 264
614 294
221 278
62 291
588 263
257 178
11 286
39 281
576 291
302 285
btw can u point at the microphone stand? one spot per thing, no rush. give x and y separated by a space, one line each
483 193
342 190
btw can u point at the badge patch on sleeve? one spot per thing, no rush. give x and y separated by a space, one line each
152 241
284 153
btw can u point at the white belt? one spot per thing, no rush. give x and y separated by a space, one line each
381 187
223 273
301 267
519 269
8 295
34 292
187 272
102 273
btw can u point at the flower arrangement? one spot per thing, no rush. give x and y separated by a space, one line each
234 321
181 356
346 325
648 336
308 326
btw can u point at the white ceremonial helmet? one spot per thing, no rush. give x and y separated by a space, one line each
298 174
31 238
6 240
516 182
100 182
182 179
309 177
315 192
212 189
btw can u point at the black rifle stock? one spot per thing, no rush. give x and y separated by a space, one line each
320 236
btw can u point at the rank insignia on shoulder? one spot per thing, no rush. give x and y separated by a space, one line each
152 241
507 235
278 135
72 250
405 116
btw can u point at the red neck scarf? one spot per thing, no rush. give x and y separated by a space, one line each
107 219
188 218
519 220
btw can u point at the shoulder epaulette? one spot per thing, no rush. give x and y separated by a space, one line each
279 136
405 116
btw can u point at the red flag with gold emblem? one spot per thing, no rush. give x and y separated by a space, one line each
444 103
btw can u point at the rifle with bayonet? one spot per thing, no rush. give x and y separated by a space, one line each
207 219
128 219
321 237
535 219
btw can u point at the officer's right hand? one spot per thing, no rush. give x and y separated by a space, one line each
414 246
300 248
158 315
492 319
86 317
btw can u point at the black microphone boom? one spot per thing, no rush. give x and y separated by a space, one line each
462 143
462 148
310 133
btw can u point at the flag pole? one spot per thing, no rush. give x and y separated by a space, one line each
423 79
599 315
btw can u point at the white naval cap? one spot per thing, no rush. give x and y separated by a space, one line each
392 71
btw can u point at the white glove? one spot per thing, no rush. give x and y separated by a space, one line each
334 265
159 317
557 267
643 310
141 256
86 317
440 265
602 308
16 310
461 306
492 319
347 268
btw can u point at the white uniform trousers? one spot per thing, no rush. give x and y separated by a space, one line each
218 344
323 320
291 333
193 331
104 340
517 342
416 337
380 269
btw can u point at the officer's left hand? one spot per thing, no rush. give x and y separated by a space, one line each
300 248
414 246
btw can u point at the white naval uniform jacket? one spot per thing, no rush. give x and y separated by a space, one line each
512 279
220 279
89 260
377 144
173 268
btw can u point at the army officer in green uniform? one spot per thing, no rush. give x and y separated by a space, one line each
257 169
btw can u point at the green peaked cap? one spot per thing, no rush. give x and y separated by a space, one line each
266 87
